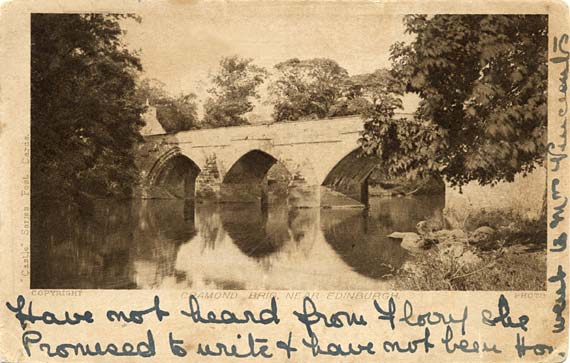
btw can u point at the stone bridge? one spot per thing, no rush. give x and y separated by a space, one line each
317 164
307 163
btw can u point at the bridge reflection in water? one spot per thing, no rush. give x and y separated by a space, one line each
173 244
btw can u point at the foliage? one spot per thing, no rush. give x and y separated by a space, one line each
510 225
380 183
235 85
174 113
482 81
364 92
379 96
307 88
85 116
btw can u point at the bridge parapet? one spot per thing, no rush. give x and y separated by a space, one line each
280 132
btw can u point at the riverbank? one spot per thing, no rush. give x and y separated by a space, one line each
499 250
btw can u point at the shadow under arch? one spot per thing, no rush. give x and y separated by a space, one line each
349 177
247 179
173 176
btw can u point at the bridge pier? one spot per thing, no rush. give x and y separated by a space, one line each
301 194
350 194
208 183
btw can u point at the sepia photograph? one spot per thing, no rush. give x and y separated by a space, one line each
288 146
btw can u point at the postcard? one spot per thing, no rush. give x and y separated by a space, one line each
286 181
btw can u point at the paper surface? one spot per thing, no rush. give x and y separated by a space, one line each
276 239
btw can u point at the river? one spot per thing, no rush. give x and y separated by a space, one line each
172 244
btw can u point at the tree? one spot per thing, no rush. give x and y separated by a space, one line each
364 92
235 85
173 113
307 88
85 116
179 113
483 81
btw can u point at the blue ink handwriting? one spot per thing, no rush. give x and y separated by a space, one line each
504 316
311 316
137 316
265 316
560 305
46 317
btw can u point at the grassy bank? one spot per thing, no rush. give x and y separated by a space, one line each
511 257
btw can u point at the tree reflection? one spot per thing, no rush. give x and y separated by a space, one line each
167 219
361 244
108 244
360 237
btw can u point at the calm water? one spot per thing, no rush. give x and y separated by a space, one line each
170 244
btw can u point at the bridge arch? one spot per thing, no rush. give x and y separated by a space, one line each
251 166
173 175
347 182
251 179
246 181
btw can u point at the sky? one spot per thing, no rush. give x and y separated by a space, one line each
182 45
